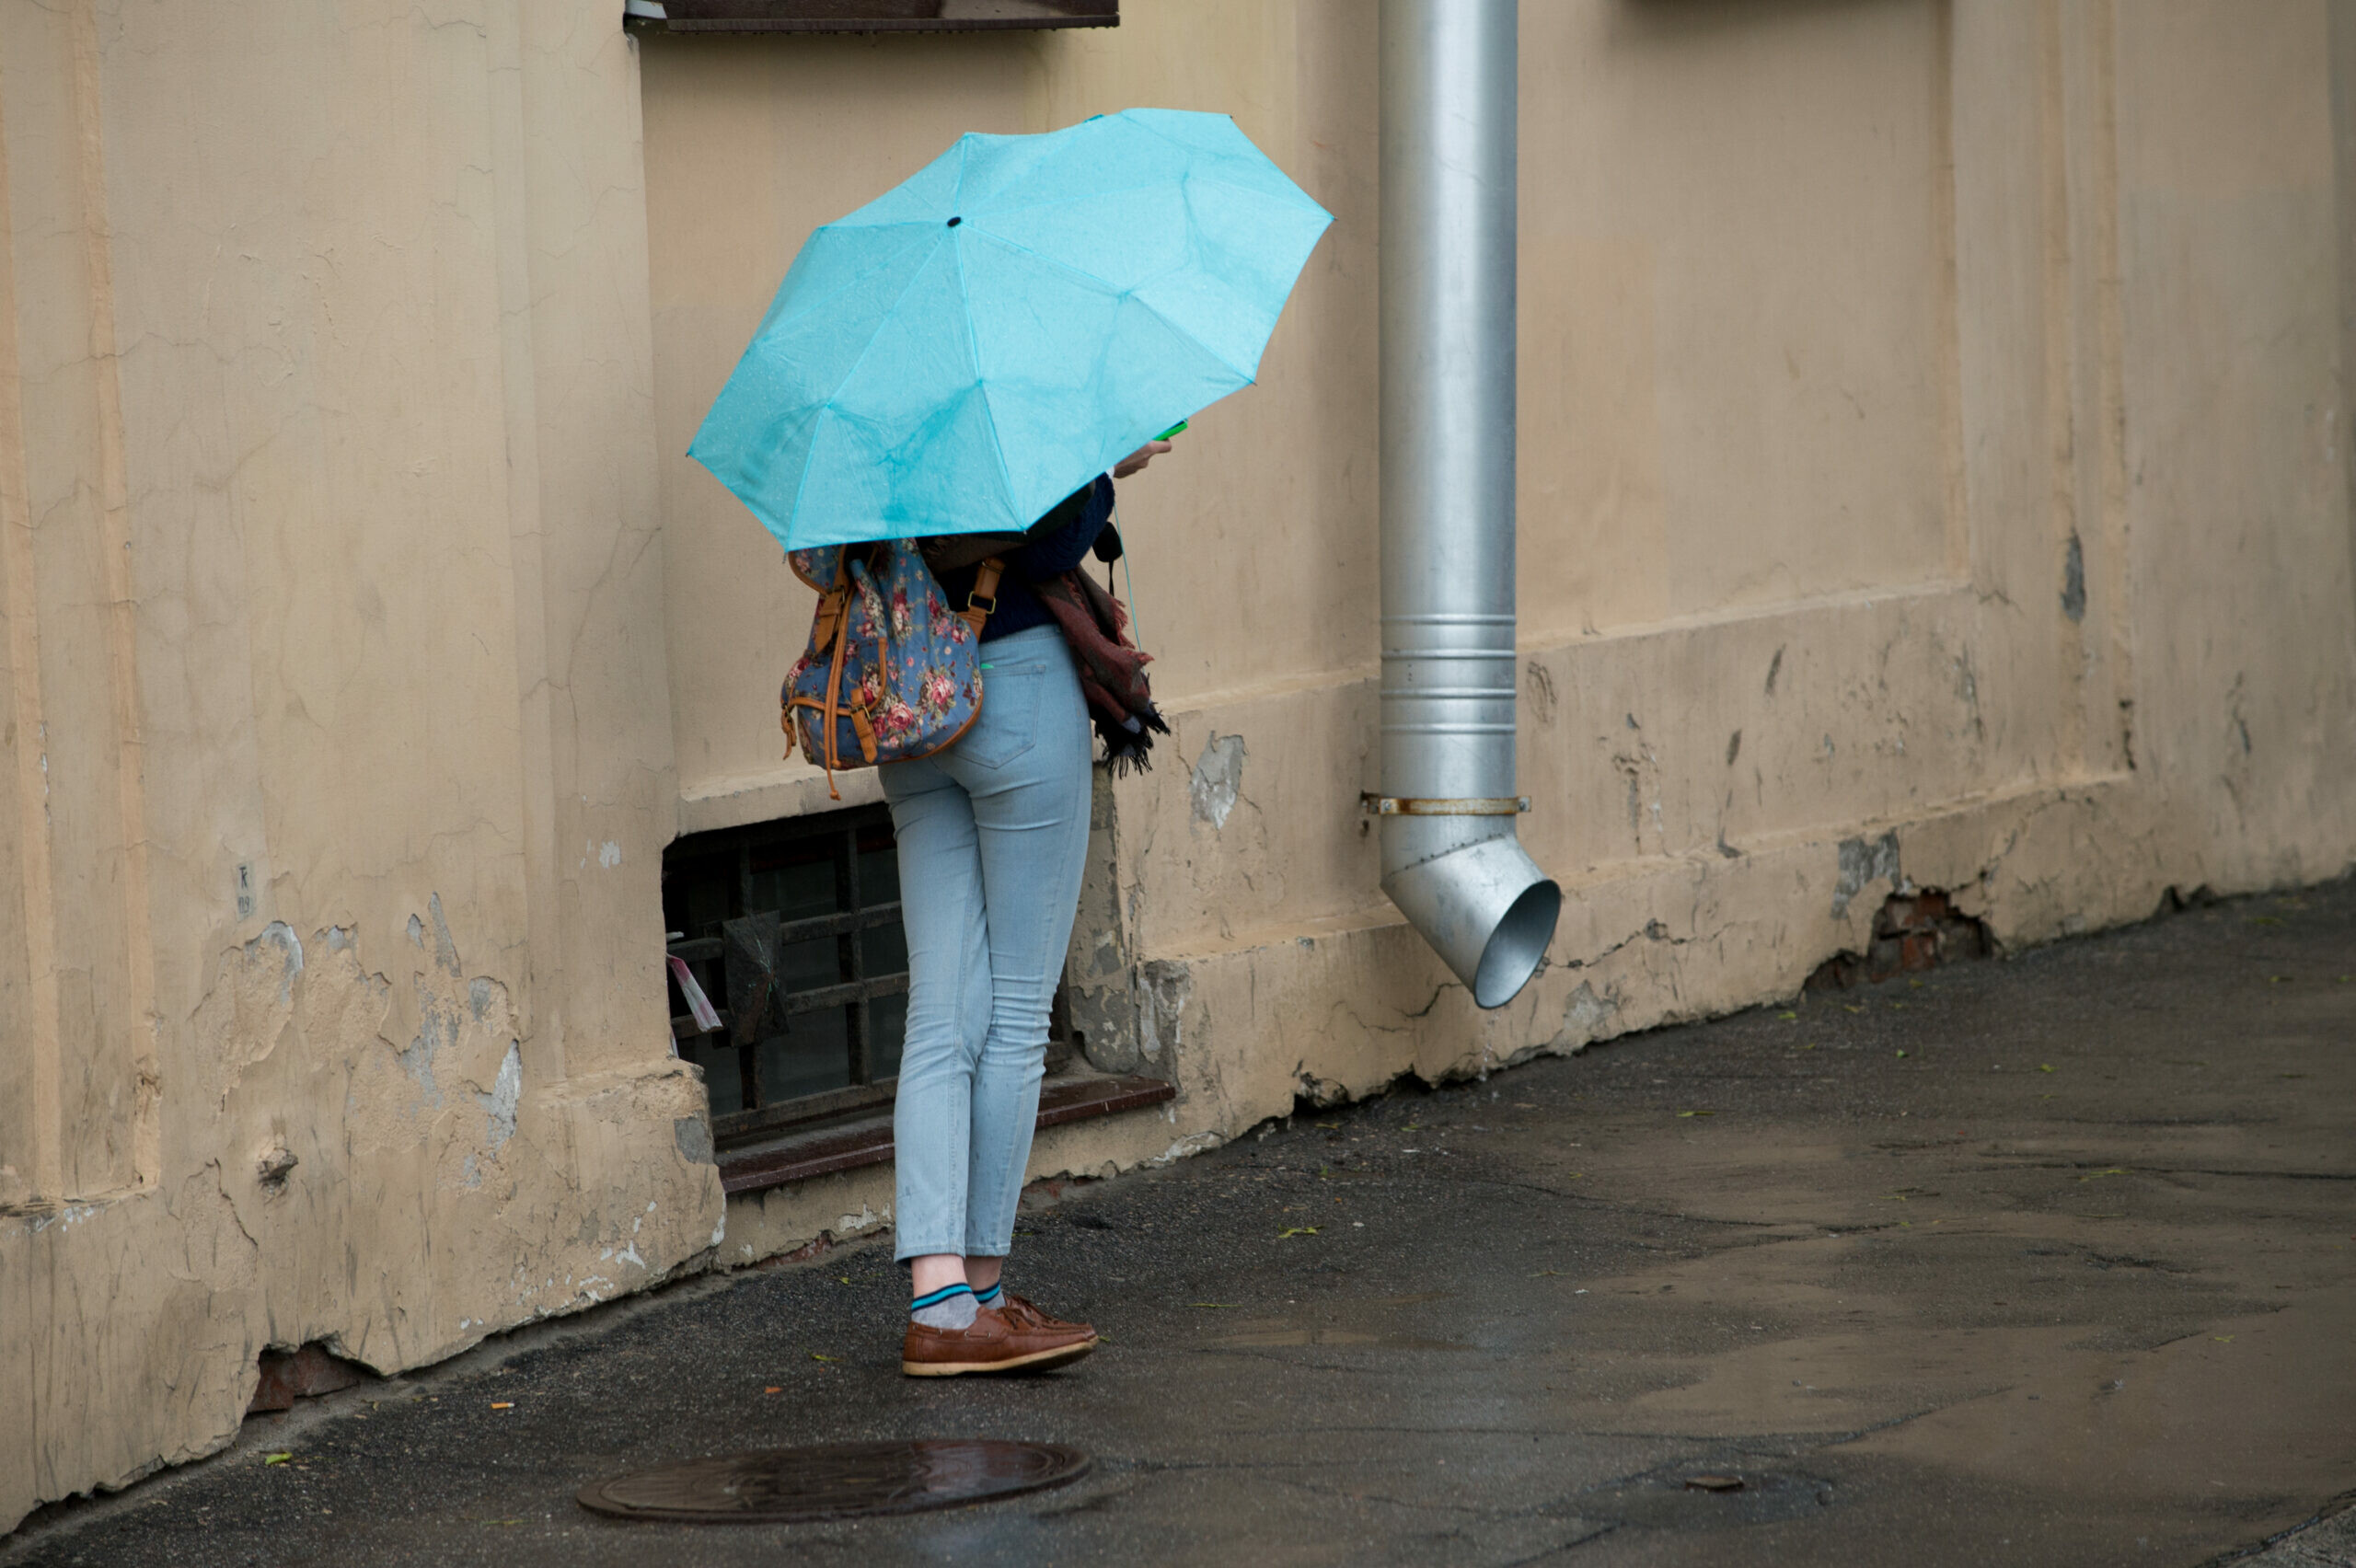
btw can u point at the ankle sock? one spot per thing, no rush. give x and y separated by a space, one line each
992 1297
950 1307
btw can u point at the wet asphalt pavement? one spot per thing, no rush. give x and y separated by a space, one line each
2046 1260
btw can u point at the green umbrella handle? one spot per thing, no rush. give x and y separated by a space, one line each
1173 430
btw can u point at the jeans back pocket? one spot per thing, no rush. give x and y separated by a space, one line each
1008 724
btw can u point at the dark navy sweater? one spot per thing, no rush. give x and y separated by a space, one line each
1055 544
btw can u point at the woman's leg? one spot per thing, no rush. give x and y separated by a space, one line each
1028 779
949 1007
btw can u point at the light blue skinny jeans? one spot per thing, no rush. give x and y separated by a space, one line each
993 834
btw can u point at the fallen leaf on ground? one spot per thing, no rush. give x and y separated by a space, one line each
772 1389
1212 1304
2098 1175
2223 1339
276 1458
1296 1230
1697 1112
1788 1017
816 1357
503 1404
2045 1067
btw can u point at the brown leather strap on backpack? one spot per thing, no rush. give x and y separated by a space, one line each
832 610
983 600
825 631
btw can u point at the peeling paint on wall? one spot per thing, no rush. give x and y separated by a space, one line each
499 1103
1584 1017
1163 990
1218 776
1862 863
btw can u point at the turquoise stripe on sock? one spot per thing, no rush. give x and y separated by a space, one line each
936 1297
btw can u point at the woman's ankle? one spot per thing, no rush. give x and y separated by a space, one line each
932 1271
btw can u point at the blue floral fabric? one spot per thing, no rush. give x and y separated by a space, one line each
909 680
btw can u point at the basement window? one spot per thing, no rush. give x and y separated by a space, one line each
867 16
794 927
792 930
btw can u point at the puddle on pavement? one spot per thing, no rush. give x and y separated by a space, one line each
1670 1499
838 1480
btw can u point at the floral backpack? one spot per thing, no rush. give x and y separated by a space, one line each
892 672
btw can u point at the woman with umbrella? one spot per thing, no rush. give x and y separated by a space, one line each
949 360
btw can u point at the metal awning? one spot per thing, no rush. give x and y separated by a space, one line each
870 15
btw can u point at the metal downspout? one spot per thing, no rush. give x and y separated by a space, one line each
1451 861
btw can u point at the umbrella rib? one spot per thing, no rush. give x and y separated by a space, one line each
1129 294
981 382
812 305
827 407
1190 151
1084 196
1300 199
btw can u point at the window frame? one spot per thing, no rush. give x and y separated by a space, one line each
854 991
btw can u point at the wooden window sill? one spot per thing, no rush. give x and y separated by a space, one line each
867 1139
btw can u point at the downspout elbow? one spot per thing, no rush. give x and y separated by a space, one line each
1481 901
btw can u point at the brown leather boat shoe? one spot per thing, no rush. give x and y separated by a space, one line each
994 1343
1022 1312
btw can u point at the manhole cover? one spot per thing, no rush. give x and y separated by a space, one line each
839 1480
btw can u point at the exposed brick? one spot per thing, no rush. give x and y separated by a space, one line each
291 1374
1913 932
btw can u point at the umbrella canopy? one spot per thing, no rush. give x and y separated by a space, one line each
964 351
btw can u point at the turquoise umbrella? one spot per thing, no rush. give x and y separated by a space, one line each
964 351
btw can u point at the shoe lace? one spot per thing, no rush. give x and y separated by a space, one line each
1022 1313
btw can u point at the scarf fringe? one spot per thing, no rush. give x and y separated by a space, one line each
1111 667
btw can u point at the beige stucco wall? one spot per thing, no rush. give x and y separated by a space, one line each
1932 467
334 706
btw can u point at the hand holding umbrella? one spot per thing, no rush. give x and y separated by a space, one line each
1135 461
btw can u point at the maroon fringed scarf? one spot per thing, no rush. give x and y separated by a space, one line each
1111 668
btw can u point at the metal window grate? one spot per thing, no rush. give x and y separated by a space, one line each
812 906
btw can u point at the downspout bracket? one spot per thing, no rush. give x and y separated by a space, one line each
1490 805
